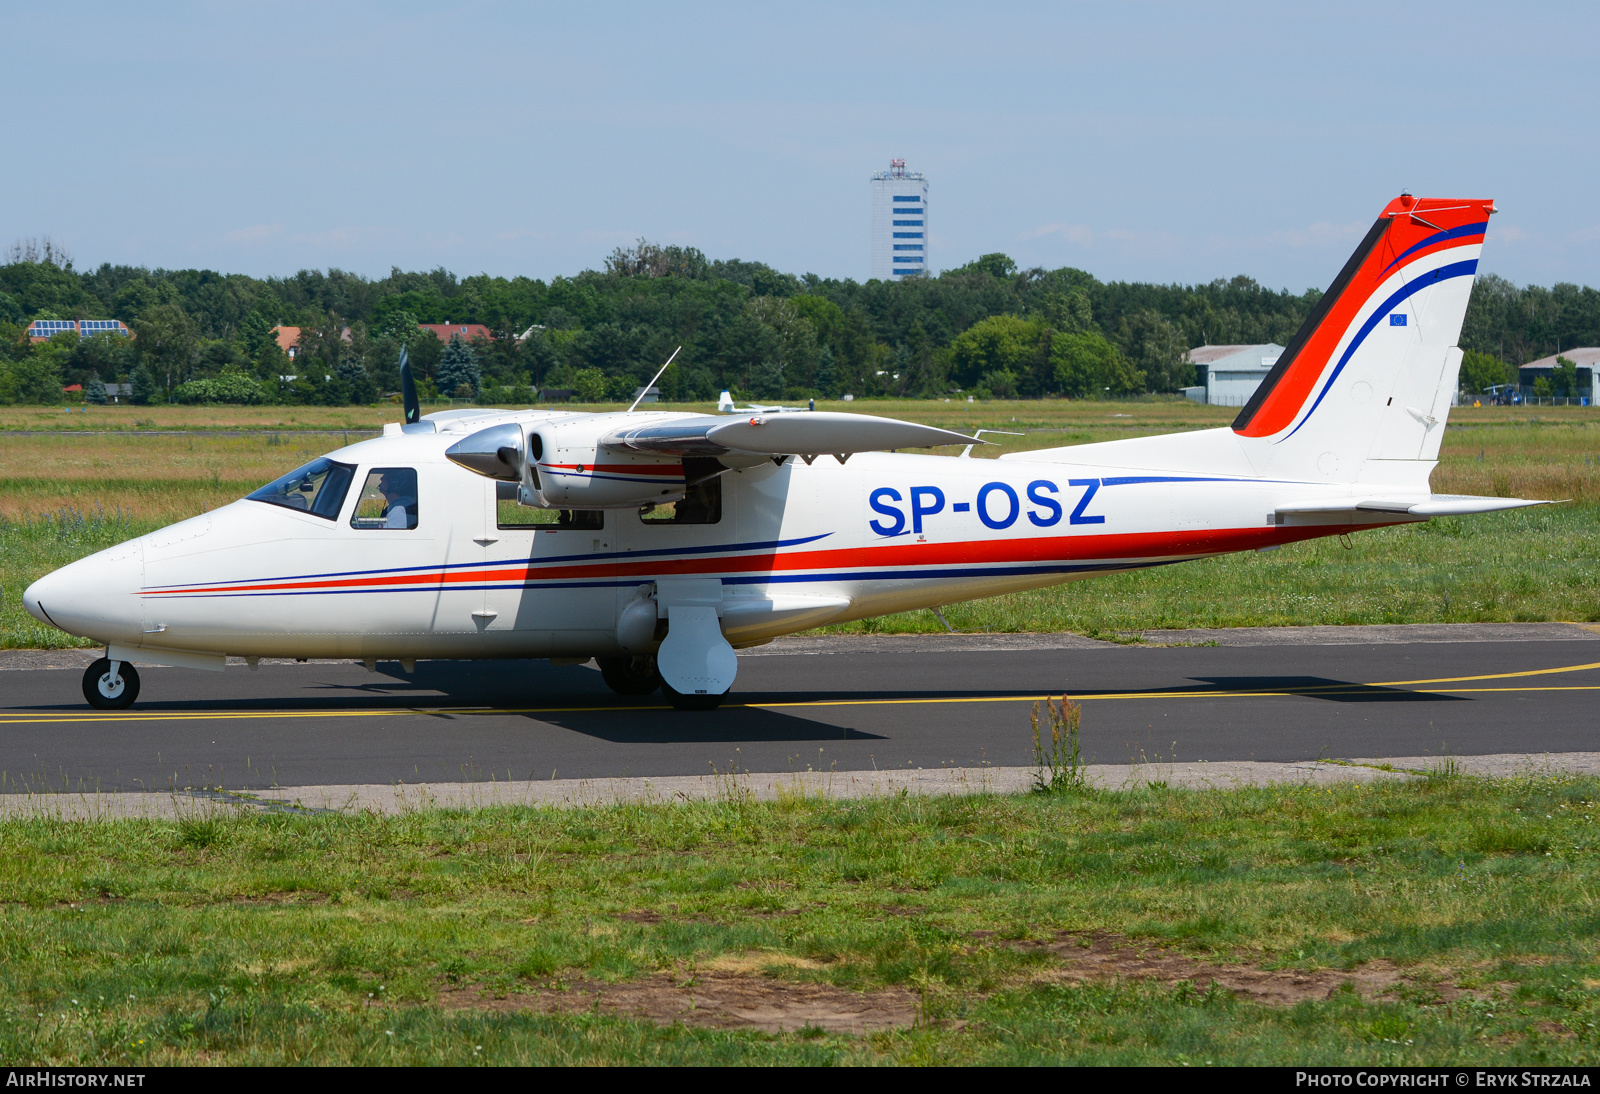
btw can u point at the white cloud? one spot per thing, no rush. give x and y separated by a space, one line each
1321 234
256 233
1073 233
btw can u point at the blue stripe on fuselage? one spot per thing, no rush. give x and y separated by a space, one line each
753 579
604 556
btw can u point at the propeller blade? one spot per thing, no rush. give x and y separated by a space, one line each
408 390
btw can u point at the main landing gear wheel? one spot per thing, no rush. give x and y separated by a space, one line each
635 675
680 701
105 692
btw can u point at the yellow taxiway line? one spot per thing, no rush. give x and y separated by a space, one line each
1329 690
1491 676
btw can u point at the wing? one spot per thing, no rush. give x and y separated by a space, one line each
811 433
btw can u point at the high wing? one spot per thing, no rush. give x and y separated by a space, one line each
807 435
500 450
628 460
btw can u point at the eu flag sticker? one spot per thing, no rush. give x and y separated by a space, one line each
1397 319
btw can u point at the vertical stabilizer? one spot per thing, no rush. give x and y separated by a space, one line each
1363 389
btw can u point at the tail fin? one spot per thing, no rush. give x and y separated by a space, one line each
1369 376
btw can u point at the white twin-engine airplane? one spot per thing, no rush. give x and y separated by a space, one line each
659 543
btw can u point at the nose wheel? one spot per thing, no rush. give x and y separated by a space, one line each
110 685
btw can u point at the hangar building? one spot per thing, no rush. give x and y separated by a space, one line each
1229 375
1586 358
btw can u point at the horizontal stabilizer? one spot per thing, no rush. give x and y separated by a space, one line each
1433 505
1456 505
811 433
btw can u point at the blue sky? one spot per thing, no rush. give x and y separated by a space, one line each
1151 142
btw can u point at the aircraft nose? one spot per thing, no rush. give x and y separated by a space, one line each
32 594
97 597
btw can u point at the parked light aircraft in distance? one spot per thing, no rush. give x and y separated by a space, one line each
658 543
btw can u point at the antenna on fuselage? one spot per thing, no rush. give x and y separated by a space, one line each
646 390
408 390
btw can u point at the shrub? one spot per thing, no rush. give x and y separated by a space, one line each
144 390
228 387
588 385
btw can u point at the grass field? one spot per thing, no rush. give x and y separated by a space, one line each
64 495
1445 920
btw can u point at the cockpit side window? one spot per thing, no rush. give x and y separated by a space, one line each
388 500
317 488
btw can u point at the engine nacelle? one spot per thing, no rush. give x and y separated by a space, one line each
568 468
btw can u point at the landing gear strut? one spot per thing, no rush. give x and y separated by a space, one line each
634 675
110 685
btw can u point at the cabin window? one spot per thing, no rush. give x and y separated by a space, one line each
508 514
317 488
702 501
388 499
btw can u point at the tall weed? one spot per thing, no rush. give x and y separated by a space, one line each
1058 766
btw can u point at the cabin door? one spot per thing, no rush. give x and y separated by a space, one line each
548 588
461 607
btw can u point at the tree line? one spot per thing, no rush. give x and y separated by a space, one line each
987 328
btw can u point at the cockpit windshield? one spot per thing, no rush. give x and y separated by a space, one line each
317 488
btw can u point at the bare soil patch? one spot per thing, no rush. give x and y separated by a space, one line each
770 913
713 1000
283 896
1100 956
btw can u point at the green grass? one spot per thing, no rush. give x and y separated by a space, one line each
336 938
34 546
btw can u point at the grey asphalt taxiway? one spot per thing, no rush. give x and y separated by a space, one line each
818 704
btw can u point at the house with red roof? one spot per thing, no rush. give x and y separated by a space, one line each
289 339
466 331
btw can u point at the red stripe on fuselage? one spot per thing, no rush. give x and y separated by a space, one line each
1107 548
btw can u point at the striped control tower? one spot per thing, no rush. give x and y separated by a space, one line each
899 222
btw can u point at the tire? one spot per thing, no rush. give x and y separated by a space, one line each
634 675
101 696
680 701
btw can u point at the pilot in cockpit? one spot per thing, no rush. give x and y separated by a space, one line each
400 501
